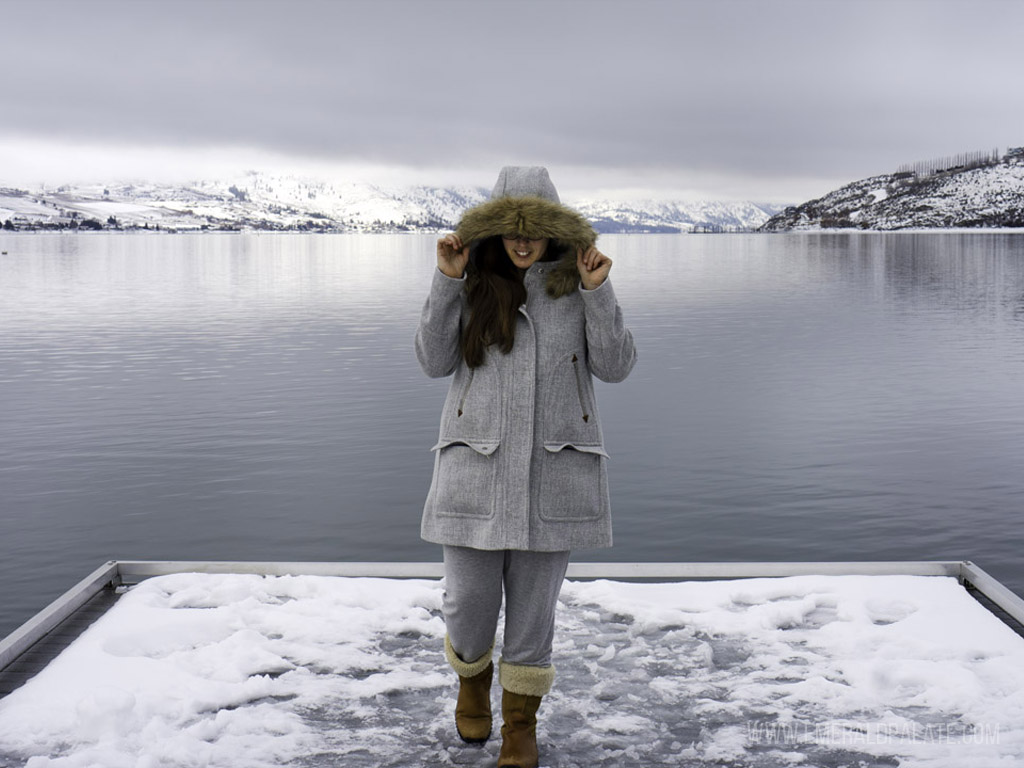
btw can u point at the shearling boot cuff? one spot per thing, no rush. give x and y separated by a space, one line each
466 668
526 681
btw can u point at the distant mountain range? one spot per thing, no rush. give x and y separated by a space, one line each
977 190
263 202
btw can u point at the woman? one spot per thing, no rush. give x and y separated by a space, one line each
522 312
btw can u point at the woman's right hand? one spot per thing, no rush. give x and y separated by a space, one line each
452 256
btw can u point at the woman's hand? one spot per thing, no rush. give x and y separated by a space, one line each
593 267
452 256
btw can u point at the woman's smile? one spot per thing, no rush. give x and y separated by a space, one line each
523 251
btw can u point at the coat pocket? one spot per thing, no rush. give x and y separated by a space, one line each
567 402
464 478
473 407
573 483
584 410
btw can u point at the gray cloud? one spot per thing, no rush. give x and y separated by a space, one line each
769 92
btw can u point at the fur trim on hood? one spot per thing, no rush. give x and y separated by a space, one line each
533 216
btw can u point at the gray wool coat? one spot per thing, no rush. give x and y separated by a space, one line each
520 462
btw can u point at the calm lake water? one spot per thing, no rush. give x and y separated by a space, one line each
798 397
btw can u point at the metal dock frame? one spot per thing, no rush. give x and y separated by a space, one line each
120 573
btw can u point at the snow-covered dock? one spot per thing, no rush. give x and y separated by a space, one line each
732 664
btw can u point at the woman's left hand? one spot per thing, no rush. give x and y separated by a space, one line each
593 267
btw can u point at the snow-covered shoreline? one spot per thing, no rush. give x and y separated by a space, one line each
6 236
269 203
244 670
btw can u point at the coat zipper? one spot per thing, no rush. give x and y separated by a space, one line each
465 391
579 386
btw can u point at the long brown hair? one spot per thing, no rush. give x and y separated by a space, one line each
495 291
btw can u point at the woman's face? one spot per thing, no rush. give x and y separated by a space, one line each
522 251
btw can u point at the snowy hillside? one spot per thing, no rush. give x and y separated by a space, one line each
257 201
254 201
654 216
991 195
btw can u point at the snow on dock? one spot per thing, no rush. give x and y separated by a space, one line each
245 670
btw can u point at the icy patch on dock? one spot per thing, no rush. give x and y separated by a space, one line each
251 671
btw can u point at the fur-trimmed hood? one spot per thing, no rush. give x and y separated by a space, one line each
524 201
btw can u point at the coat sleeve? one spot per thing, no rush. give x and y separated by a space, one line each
610 348
437 338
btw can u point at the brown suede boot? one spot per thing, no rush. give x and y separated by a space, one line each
473 708
519 731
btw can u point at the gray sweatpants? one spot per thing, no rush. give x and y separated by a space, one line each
473 581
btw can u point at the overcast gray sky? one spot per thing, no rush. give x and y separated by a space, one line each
777 100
